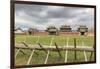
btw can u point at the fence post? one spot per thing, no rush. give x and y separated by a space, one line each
42 48
18 52
75 47
91 54
58 50
28 47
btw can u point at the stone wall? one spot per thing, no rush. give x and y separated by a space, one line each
68 33
40 33
59 33
90 34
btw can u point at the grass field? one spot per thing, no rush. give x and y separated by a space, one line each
53 58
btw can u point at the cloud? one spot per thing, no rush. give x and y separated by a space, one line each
41 16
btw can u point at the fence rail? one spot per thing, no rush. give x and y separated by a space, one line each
64 48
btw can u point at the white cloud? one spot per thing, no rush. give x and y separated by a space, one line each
43 16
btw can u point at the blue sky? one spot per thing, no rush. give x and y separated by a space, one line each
41 16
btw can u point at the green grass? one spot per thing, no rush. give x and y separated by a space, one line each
60 40
54 58
21 59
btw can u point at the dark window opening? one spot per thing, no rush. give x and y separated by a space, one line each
82 33
52 33
30 33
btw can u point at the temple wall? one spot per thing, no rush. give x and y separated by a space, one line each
20 33
40 33
90 34
68 33
59 33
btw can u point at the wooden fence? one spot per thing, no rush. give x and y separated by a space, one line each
56 48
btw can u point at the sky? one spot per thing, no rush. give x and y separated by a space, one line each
42 16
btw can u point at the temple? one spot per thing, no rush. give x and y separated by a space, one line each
82 30
52 30
65 28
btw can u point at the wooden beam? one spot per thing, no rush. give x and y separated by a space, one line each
42 48
22 51
85 56
19 50
28 62
58 50
90 56
91 53
28 47
48 51
53 48
75 48
66 50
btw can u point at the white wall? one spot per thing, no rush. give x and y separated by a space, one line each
5 34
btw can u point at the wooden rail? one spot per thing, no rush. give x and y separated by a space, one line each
53 48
